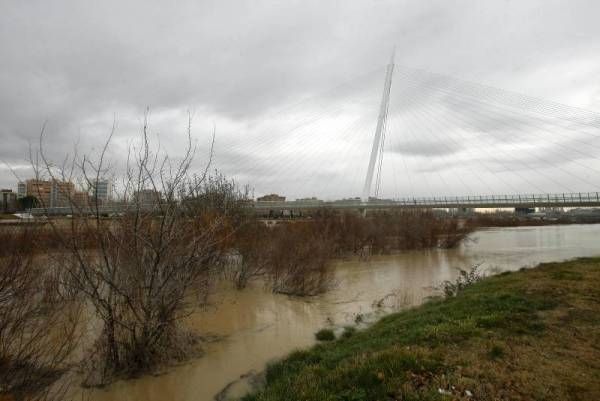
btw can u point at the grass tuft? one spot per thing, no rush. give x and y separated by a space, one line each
496 352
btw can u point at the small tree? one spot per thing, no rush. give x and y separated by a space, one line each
254 246
145 266
465 279
299 260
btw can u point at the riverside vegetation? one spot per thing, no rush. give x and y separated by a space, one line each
531 334
134 277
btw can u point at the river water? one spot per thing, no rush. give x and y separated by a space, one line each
254 326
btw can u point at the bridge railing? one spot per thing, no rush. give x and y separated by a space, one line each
499 201
525 199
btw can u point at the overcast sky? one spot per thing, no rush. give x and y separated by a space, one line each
293 89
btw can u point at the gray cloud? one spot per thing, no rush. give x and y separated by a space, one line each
426 148
259 69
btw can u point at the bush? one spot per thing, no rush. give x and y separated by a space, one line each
299 260
348 332
293 256
325 335
254 245
496 352
464 280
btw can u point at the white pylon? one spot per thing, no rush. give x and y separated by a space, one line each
383 110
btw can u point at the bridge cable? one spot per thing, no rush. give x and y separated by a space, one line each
505 123
435 116
521 161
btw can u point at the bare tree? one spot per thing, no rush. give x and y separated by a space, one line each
254 245
299 261
147 261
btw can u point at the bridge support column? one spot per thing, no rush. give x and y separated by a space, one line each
383 111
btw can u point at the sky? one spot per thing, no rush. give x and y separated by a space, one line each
291 90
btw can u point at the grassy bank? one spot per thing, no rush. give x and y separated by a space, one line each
528 335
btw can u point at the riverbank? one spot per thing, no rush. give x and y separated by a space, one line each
531 334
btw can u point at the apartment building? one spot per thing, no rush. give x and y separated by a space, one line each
49 193
103 189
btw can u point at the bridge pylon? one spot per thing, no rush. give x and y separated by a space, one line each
381 123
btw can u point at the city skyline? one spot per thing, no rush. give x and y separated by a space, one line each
53 192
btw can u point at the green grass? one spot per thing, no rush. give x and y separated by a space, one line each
508 336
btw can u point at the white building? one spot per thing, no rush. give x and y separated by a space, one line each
103 189
21 190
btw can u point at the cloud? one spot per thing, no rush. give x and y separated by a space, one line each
426 148
258 69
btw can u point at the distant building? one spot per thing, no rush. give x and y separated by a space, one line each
271 198
81 199
62 193
147 196
21 190
8 201
310 201
41 190
49 193
103 190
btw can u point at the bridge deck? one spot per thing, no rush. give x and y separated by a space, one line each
589 199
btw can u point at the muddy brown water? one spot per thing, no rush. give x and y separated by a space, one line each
254 326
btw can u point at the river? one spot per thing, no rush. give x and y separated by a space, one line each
254 326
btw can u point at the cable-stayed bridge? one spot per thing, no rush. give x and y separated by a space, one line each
428 141
590 199
557 141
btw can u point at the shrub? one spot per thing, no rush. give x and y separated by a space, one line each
254 245
496 352
348 332
299 260
325 335
293 255
464 280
